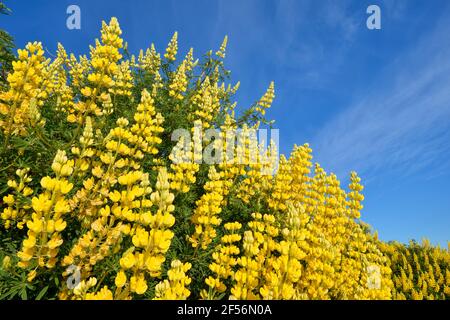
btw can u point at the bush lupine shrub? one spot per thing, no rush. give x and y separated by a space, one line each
95 204
419 271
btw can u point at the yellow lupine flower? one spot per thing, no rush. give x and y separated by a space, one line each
172 48
121 279
176 286
128 261
223 46
24 89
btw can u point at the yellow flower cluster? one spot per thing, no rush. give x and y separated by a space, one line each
355 196
420 271
25 90
246 277
317 230
81 291
224 261
190 63
256 268
122 80
266 101
85 151
256 165
103 294
78 70
301 164
175 287
40 248
148 124
282 189
222 49
104 70
123 150
56 82
94 245
206 103
283 272
183 166
150 61
114 176
12 213
179 82
150 245
208 207
172 48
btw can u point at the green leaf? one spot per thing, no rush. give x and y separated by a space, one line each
3 296
42 293
23 294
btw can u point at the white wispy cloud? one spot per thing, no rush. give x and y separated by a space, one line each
402 124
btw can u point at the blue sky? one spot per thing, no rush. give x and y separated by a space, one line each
374 101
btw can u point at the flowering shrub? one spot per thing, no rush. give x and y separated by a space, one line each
96 204
420 271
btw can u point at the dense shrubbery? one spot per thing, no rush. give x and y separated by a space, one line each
95 204
419 271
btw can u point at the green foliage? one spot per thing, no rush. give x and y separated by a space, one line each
6 46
